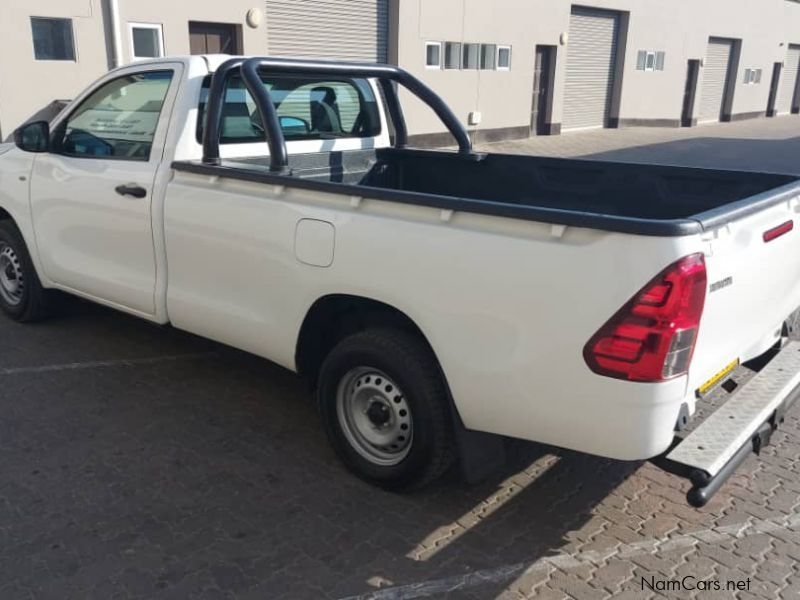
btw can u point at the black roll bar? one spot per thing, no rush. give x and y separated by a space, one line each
278 155
249 69
214 105
389 90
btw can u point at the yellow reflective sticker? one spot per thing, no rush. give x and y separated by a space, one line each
703 389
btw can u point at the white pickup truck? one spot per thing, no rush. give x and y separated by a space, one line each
431 297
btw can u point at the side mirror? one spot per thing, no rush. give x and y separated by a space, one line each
33 137
294 126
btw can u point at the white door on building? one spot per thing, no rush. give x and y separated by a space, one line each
788 85
715 79
335 29
591 66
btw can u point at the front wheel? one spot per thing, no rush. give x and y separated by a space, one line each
386 409
21 295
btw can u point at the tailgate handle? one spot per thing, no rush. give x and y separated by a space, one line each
776 232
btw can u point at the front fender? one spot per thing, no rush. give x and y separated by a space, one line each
16 167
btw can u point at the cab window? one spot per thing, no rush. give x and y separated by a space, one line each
309 108
118 120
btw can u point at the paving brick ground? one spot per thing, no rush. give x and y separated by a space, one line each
142 462
759 145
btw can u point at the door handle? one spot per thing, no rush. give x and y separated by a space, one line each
134 190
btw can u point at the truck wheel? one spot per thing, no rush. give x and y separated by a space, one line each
386 409
21 295
792 325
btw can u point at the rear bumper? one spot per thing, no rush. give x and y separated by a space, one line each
713 451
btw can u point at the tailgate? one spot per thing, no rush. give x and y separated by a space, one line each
753 268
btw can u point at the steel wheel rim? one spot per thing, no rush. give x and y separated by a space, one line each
12 280
374 416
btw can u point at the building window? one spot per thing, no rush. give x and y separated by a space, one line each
650 60
488 57
433 55
147 41
208 37
752 76
471 56
52 39
452 55
503 58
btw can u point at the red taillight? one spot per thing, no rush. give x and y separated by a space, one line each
652 337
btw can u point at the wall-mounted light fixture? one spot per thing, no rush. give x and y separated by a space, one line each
254 17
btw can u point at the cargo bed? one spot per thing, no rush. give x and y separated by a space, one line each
630 198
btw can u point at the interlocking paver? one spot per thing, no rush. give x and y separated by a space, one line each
210 477
758 144
724 557
615 575
575 587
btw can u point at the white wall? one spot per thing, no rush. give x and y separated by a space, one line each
28 85
174 17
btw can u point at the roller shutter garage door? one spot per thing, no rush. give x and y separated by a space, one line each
715 79
591 63
335 29
789 80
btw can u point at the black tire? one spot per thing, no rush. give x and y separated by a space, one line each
792 325
31 303
409 362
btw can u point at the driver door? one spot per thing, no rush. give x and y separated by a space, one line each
92 194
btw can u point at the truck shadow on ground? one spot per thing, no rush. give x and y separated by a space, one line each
206 473
741 154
